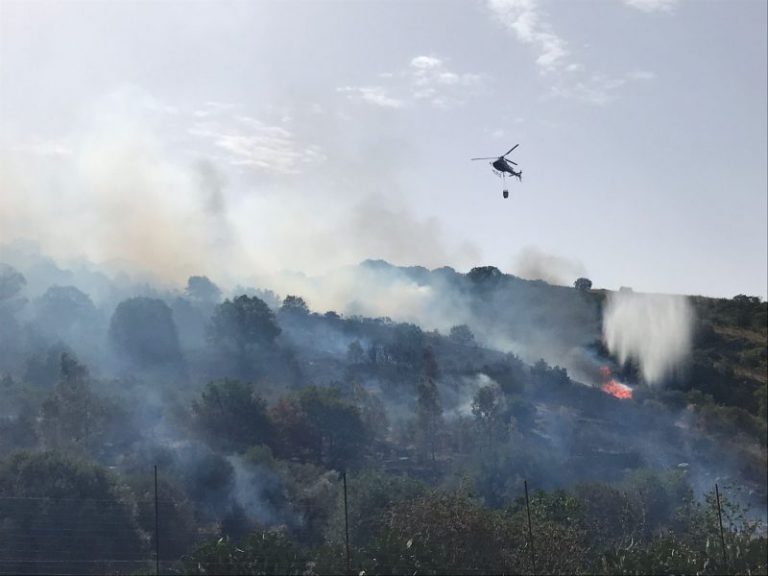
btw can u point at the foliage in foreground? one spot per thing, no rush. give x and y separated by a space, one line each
453 533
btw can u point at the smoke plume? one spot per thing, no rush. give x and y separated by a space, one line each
142 189
534 264
653 329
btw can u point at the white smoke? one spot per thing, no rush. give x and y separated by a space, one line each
532 263
655 330
140 190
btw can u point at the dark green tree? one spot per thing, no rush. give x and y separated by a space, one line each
488 408
355 354
11 282
583 284
407 346
178 526
462 335
319 425
73 417
375 495
143 330
200 288
208 482
446 534
243 322
263 552
429 412
232 416
484 275
294 305
65 516
61 307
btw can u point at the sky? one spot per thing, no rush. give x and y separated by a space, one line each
238 138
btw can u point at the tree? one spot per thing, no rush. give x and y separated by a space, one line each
583 284
209 482
263 552
376 493
143 330
178 527
61 307
372 410
11 282
296 438
73 416
355 353
337 423
294 305
242 322
447 534
484 274
489 411
232 415
66 515
191 318
462 335
317 424
407 346
429 364
200 288
429 414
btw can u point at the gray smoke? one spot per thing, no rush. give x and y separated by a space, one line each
532 263
129 193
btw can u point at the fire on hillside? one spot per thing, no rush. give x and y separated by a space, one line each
613 387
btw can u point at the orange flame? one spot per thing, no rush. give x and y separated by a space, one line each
610 386
618 390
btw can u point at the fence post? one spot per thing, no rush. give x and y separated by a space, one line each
720 519
346 522
530 528
157 529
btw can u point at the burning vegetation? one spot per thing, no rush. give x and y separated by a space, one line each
612 387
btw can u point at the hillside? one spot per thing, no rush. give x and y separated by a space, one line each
251 406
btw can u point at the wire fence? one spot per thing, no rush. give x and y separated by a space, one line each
67 536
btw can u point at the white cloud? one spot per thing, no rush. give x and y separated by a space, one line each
248 142
426 62
528 24
375 95
652 5
426 79
570 79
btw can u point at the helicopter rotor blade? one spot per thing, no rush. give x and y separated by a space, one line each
488 158
513 147
510 161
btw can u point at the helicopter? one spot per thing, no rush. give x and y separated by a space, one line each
502 166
